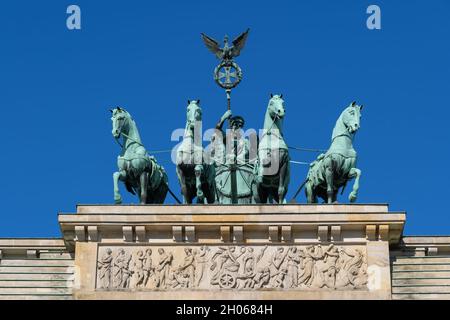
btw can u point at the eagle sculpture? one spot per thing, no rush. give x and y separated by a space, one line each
226 53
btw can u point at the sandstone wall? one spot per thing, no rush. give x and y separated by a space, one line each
420 268
35 269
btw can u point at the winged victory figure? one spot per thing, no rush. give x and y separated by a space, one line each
226 53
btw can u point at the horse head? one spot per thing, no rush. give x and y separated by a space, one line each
276 108
351 117
119 120
348 122
193 114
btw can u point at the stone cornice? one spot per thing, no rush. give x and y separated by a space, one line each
232 209
291 223
29 247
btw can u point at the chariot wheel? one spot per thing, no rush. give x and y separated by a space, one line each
227 280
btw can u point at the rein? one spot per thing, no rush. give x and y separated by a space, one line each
269 131
129 138
153 167
343 135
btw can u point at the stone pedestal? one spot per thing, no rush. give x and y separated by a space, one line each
232 252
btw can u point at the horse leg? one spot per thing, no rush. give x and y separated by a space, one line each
261 192
211 186
310 193
161 193
282 185
144 186
273 196
329 179
354 173
209 190
255 192
281 192
198 183
268 197
182 180
161 190
116 176
210 194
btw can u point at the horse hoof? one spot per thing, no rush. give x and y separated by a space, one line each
352 197
118 200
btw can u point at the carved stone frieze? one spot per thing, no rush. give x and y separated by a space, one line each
316 267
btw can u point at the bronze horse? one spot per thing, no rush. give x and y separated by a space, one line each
273 169
332 170
140 172
196 177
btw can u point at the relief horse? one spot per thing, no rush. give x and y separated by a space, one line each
332 170
196 177
140 172
272 168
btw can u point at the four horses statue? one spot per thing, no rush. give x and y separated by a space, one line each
333 169
330 172
139 171
195 175
272 169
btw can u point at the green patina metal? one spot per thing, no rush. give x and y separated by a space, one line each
273 168
141 174
195 175
227 74
333 169
227 174
234 171
234 178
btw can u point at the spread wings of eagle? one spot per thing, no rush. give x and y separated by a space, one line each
226 53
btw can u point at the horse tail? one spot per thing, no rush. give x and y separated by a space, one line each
165 181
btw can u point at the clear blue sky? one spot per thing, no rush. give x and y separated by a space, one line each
57 85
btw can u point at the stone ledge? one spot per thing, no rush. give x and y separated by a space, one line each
29 247
237 218
232 209
426 240
202 224
231 295
423 245
31 243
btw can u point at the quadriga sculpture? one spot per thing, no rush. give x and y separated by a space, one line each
196 177
231 152
272 169
139 171
332 170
